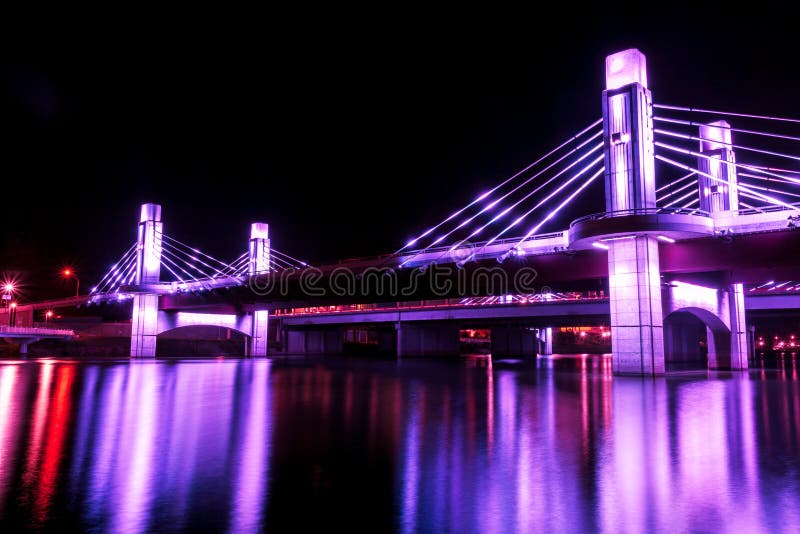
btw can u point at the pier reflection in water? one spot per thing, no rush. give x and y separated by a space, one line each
463 445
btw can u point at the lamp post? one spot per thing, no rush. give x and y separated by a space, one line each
8 295
47 315
12 314
69 272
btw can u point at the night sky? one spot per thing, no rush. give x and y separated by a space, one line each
346 139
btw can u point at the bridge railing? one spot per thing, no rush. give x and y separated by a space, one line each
765 209
34 331
641 211
461 302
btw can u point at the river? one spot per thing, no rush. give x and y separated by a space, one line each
353 444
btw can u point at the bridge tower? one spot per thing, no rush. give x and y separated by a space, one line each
717 195
259 254
634 280
144 323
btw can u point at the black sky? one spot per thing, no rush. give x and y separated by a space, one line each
346 137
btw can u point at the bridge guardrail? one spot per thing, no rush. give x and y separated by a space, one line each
24 331
643 211
765 209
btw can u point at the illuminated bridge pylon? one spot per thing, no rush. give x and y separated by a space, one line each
152 252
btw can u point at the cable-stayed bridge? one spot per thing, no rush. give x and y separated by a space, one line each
701 209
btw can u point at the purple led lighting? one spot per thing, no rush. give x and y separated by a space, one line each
738 130
729 113
599 245
560 206
548 197
721 143
667 186
765 171
528 195
515 176
768 178
769 189
675 192
742 189
681 199
666 239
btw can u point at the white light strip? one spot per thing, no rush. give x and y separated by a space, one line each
118 274
222 263
737 130
673 193
597 244
166 258
123 259
520 201
548 197
666 239
738 147
741 188
304 264
517 188
767 178
667 186
729 113
609 239
187 264
176 250
484 195
681 199
769 189
560 206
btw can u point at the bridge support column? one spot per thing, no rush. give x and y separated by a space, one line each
720 194
259 253
740 346
23 346
637 340
515 342
546 338
306 341
633 269
427 339
144 322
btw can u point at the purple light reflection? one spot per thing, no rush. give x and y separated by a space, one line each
509 445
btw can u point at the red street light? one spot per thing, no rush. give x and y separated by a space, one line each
69 272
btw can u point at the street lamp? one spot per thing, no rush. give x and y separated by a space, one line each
47 315
8 293
69 272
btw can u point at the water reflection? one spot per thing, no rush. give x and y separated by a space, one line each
470 445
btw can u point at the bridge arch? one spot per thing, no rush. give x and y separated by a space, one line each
202 334
695 338
198 340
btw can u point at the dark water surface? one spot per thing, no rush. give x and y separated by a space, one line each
343 445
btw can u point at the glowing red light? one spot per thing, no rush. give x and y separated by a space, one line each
9 287
66 272
13 304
